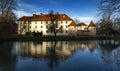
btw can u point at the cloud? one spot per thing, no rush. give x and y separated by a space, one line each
25 9
22 6
21 13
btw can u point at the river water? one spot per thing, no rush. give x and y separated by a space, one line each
94 55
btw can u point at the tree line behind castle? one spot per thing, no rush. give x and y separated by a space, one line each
108 24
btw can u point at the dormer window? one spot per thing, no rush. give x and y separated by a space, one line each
63 16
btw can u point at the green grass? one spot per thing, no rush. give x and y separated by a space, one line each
53 38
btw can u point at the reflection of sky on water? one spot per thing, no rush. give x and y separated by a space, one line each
103 55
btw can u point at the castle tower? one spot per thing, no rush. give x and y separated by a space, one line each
92 28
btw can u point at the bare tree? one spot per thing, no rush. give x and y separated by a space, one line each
77 20
7 17
109 6
53 26
116 22
7 6
105 13
108 10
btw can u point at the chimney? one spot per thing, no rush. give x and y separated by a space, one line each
41 14
34 15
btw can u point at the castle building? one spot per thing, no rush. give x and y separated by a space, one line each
63 23
82 29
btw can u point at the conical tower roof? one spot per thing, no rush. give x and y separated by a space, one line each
92 24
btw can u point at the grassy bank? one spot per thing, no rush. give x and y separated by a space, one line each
53 38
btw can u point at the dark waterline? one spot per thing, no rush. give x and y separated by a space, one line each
103 55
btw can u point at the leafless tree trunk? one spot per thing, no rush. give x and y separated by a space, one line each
54 22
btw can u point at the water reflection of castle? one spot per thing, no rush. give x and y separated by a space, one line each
62 50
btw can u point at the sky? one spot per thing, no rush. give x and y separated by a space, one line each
83 10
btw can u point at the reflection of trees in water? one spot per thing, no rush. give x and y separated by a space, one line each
117 57
7 58
110 53
52 56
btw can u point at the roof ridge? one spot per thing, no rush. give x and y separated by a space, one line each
72 24
81 24
44 17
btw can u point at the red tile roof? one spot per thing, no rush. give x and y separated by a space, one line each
45 17
24 18
81 24
72 24
92 24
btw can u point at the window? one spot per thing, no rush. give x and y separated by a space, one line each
29 22
35 26
61 26
30 30
29 26
24 26
66 21
41 26
66 31
24 22
41 22
66 26
47 27
46 22
35 22
61 22
46 31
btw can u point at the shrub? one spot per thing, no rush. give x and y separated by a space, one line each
37 34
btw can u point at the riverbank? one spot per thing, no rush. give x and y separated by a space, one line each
57 38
